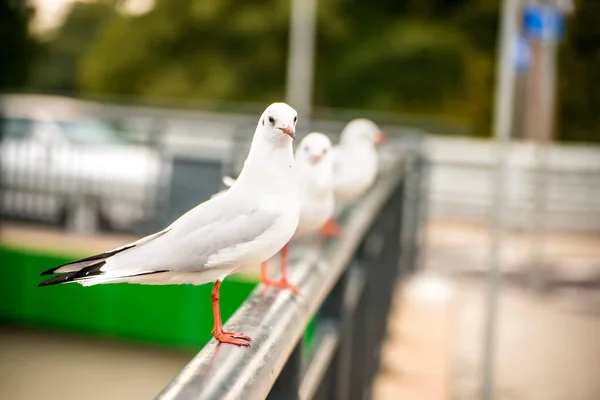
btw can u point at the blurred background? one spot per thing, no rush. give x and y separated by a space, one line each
116 116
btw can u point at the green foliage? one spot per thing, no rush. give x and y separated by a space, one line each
59 58
433 58
579 79
17 47
229 50
185 49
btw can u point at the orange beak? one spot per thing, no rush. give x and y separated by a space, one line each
288 130
380 138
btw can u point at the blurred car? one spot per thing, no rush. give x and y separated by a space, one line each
60 164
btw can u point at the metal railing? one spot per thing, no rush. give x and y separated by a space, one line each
566 192
347 287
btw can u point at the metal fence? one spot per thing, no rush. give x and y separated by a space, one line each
346 285
566 194
92 166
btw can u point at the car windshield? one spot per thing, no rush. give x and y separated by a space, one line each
90 132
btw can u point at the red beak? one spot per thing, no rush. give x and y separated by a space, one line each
315 158
288 130
380 138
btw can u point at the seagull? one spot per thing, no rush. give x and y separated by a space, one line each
315 194
242 228
314 166
355 164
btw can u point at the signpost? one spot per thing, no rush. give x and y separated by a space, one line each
543 24
503 115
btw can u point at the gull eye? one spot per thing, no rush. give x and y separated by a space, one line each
271 120
295 119
306 150
324 152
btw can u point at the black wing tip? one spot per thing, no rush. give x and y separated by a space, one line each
97 257
49 271
87 272
56 280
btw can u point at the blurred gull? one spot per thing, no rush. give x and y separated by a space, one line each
242 228
315 193
314 165
355 164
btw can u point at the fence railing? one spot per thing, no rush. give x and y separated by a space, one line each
347 288
98 166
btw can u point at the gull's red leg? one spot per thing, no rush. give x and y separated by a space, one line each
221 335
330 229
264 274
283 283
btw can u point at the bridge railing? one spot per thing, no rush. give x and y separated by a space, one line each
347 286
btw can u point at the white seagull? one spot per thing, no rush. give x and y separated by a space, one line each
315 194
355 164
242 228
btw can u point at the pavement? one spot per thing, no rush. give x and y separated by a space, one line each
38 364
547 345
416 355
458 247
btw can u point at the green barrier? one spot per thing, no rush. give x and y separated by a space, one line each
171 315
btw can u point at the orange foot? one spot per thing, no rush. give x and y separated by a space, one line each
331 228
282 284
232 337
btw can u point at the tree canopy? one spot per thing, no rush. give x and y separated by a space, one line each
17 46
430 57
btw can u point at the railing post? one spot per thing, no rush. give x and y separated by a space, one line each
287 385
379 256
360 351
336 309
391 220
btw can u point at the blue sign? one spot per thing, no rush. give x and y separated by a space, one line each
543 23
522 53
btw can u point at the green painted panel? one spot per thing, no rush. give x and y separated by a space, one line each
179 315
173 315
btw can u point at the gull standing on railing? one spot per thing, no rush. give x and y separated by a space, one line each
315 194
242 228
355 164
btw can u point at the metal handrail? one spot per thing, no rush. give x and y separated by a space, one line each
276 320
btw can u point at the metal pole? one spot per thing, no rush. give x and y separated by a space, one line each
503 112
301 51
546 58
541 118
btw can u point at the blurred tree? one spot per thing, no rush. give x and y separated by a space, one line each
431 57
62 51
579 75
17 46
180 49
416 56
226 50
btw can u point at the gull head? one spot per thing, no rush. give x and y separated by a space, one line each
278 123
314 149
362 130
